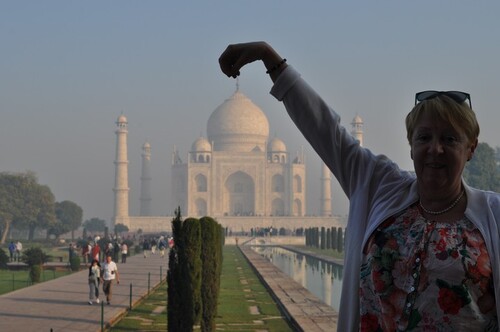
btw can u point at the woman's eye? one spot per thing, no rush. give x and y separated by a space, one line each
422 138
450 140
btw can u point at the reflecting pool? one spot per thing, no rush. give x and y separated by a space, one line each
321 278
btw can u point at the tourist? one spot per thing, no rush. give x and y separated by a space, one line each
109 273
145 247
85 252
124 251
422 249
162 244
12 250
153 244
19 250
71 251
96 251
94 280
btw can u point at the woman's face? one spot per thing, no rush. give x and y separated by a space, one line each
439 153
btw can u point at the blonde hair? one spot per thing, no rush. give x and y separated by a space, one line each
460 116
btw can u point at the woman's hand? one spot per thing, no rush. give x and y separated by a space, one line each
238 55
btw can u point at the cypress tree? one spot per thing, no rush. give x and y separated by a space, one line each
174 280
181 275
328 239
334 238
192 241
316 237
340 240
211 259
323 238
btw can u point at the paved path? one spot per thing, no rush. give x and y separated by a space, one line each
61 305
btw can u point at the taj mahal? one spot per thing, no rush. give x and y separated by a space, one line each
237 175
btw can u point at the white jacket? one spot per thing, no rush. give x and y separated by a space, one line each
375 186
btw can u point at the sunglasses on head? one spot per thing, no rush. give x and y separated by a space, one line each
457 96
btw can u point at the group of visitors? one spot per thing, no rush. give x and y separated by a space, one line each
103 255
153 243
15 250
115 248
105 275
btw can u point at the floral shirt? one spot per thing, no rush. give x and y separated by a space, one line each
422 275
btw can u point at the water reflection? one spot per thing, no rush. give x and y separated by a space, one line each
321 278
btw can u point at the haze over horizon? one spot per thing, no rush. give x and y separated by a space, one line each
70 68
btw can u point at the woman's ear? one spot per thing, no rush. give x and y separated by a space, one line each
472 149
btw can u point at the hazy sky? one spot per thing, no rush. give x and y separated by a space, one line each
68 69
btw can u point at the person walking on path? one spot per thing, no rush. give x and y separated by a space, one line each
94 281
145 248
71 251
153 246
162 244
85 252
109 273
96 250
19 249
12 250
124 250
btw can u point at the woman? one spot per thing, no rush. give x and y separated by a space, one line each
94 280
124 251
422 252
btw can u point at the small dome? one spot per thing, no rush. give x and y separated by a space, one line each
201 144
357 119
122 119
146 145
276 145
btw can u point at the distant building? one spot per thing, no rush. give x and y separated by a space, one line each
238 170
237 175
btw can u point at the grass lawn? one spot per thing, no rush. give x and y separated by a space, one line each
244 303
12 280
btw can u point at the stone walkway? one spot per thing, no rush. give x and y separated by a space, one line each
61 305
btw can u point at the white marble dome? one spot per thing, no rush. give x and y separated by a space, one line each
276 145
238 125
201 144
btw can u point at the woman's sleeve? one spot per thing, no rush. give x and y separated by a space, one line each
351 164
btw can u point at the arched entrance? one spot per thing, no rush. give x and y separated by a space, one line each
239 195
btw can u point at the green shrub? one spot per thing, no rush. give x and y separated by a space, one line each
75 263
34 256
35 273
4 259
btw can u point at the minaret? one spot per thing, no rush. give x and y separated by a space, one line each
121 189
326 191
146 181
357 129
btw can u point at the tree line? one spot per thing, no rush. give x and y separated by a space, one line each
25 204
325 238
483 170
